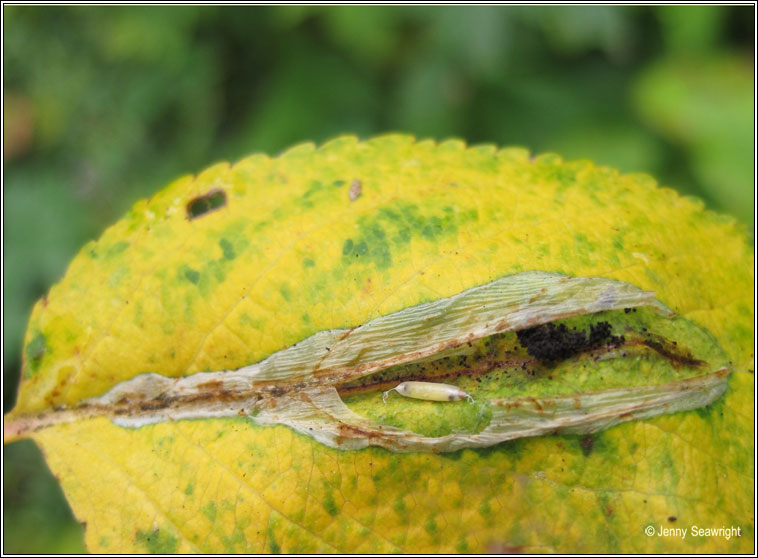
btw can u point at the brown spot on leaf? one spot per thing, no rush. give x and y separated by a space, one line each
212 385
538 295
277 391
536 403
355 190
587 443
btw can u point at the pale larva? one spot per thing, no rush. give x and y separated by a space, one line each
429 391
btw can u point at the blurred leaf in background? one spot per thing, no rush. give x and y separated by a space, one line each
104 105
700 96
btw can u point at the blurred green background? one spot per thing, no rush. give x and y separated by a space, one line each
105 105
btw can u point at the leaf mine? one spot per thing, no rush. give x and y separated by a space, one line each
541 353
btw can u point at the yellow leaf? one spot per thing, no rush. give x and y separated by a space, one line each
222 270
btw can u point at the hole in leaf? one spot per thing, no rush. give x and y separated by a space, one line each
199 206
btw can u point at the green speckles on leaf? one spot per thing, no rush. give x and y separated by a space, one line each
163 446
565 177
118 276
354 249
190 488
213 271
390 229
236 543
399 506
329 504
358 251
34 351
312 193
431 526
485 510
116 249
209 511
376 233
233 240
272 544
433 228
618 242
453 455
706 413
308 262
286 291
157 541
744 311
139 317
248 321
217 271
654 277
668 467
584 250
192 275
227 249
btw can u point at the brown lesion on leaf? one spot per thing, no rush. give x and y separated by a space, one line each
537 296
202 205
676 355
375 436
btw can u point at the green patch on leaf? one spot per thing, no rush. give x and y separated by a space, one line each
227 249
209 511
34 351
391 229
192 275
329 504
272 544
157 541
116 249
